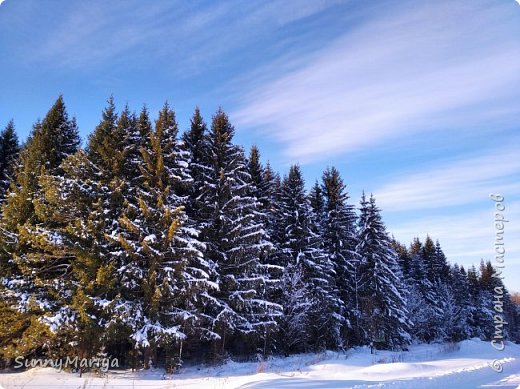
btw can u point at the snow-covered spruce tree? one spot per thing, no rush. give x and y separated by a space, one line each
107 144
144 125
383 294
176 158
158 278
35 277
81 204
135 131
496 286
424 317
9 150
256 172
419 312
89 196
445 305
340 240
434 271
269 197
317 203
239 312
195 144
460 288
265 185
67 204
300 251
427 272
296 327
187 244
261 188
441 267
491 281
435 262
50 142
481 318
403 257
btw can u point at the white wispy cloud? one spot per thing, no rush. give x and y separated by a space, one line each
188 36
406 70
452 182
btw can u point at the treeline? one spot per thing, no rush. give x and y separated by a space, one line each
150 246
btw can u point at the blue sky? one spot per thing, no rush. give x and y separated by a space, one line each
417 102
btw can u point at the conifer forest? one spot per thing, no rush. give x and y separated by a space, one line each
158 245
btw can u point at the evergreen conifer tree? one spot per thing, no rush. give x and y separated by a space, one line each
300 250
339 238
36 268
235 239
9 150
156 288
383 293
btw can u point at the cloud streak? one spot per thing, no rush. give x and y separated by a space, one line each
188 36
395 74
452 182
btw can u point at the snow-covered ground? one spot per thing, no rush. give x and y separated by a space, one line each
466 365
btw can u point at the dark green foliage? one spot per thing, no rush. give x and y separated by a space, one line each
383 299
235 240
104 144
195 143
301 253
340 241
317 202
36 266
9 150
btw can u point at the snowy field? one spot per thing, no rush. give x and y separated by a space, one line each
466 365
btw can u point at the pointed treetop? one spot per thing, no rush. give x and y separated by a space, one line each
105 128
9 149
295 173
269 174
316 198
254 166
166 125
415 246
127 132
333 188
197 123
8 139
254 155
197 130
222 129
145 125
109 112
56 137
9 128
